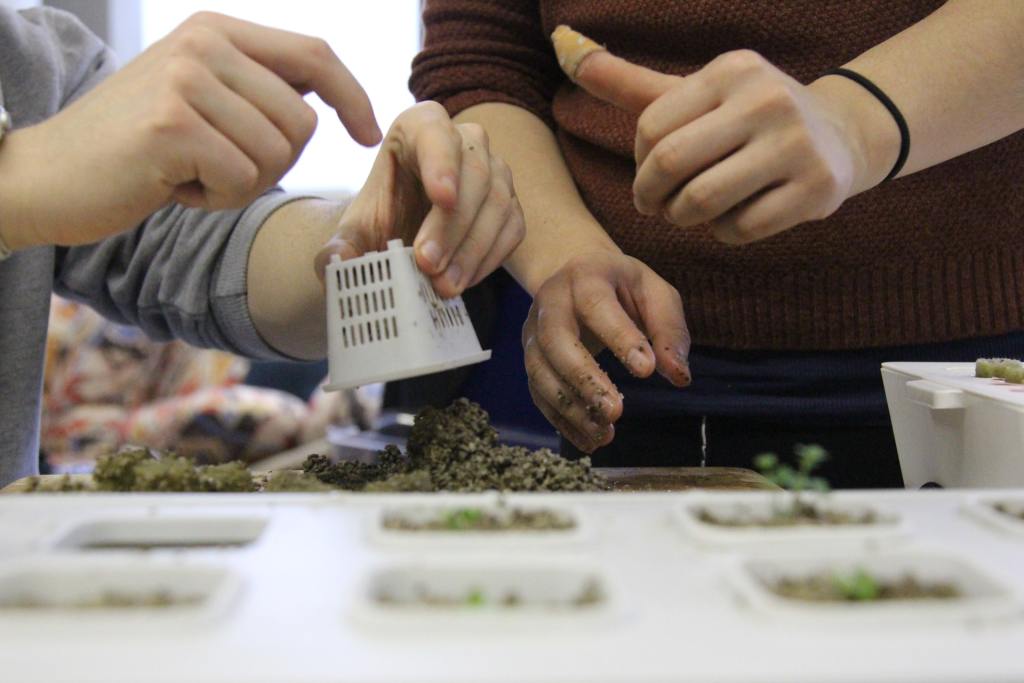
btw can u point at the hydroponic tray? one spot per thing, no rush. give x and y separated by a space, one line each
309 587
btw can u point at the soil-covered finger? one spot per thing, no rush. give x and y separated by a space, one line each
661 311
586 418
558 340
601 312
579 439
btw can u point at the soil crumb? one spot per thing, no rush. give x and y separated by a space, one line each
456 449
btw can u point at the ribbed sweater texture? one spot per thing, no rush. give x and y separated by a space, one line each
935 256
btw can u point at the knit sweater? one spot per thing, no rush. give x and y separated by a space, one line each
935 256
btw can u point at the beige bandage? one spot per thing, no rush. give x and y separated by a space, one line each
571 48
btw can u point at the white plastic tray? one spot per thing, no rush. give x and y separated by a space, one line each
301 614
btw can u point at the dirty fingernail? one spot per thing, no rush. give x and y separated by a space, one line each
432 252
453 274
607 407
684 375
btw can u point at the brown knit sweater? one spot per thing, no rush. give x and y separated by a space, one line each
936 256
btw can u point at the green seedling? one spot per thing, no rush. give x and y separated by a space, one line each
476 598
463 518
798 480
857 586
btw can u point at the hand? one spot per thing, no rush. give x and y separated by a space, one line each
436 185
740 144
601 299
210 116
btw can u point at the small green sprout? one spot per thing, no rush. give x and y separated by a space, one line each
463 518
797 479
476 598
857 586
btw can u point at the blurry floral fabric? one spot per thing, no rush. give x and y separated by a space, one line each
108 384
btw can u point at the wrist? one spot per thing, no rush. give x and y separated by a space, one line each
867 127
535 260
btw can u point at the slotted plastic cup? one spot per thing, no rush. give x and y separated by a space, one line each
385 321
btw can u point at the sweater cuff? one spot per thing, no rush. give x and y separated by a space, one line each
230 299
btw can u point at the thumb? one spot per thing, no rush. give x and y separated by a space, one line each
626 85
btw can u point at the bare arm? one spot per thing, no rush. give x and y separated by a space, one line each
957 76
587 293
286 298
560 225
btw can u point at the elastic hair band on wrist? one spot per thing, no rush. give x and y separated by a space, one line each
901 123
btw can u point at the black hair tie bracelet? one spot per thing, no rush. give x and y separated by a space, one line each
901 123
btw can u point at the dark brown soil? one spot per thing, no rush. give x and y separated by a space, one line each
829 588
456 449
796 514
484 519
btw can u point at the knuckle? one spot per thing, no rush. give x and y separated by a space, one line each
749 230
516 225
666 156
742 62
473 134
646 130
202 18
197 40
171 117
279 154
305 122
702 197
183 75
319 50
775 99
589 303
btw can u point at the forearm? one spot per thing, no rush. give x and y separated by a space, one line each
957 76
286 298
558 223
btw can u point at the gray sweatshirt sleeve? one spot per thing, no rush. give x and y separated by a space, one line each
181 274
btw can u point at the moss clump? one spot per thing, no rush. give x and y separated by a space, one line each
116 472
228 477
457 449
406 482
138 469
1007 369
289 481
65 484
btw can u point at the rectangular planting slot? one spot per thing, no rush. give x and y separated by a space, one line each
179 533
99 588
490 589
485 519
897 585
